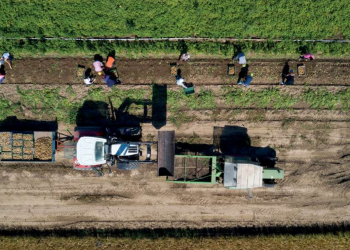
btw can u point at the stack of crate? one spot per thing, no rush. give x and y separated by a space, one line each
17 146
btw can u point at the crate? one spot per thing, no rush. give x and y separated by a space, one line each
6 148
17 143
28 151
28 137
17 150
231 70
6 155
17 156
28 157
28 144
189 91
301 70
5 138
173 69
80 71
17 136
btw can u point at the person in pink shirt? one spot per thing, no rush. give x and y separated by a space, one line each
98 64
307 57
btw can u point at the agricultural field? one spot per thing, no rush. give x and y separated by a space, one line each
302 19
306 125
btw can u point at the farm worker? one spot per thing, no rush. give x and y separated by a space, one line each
2 78
110 62
109 80
241 58
290 78
89 80
6 57
184 57
307 57
247 81
98 65
180 81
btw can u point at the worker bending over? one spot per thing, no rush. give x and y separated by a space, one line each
248 79
290 78
241 58
6 57
180 81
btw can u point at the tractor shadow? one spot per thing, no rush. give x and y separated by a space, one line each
11 123
132 112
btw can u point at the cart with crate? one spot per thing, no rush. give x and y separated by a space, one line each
27 146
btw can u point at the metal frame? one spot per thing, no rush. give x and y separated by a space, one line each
216 171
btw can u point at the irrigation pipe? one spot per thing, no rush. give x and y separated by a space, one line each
175 39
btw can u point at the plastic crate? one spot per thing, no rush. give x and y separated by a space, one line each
189 90
173 69
301 70
80 71
231 70
6 156
17 157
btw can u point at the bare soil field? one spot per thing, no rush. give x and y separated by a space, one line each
313 147
199 72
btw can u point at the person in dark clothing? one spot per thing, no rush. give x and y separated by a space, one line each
243 73
285 72
290 78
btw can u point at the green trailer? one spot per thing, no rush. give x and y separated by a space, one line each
232 172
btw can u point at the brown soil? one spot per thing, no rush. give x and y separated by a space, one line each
312 147
199 72
314 154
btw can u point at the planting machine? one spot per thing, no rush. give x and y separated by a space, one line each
232 171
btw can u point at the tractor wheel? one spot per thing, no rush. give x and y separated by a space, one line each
128 166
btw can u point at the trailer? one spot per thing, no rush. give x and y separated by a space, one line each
28 146
234 172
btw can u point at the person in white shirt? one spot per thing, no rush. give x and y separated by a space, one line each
89 80
241 58
180 81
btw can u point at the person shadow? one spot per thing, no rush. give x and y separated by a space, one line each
285 70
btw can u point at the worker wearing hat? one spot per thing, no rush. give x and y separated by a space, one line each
290 78
247 81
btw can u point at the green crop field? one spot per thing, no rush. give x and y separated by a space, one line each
176 18
260 242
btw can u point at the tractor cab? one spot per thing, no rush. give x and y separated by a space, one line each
95 150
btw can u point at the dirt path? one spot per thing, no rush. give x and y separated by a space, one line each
315 156
199 72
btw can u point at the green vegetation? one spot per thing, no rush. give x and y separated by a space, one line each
159 18
338 242
262 99
143 48
322 98
276 99
64 104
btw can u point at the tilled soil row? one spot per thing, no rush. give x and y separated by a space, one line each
46 71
